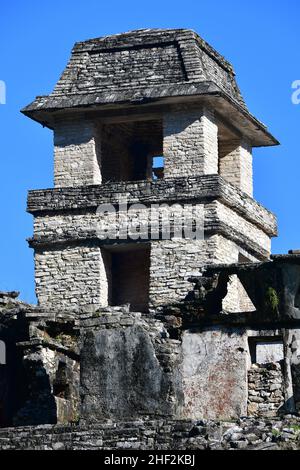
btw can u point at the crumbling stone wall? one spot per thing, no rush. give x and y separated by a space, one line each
52 387
163 434
214 371
39 382
128 367
131 367
265 389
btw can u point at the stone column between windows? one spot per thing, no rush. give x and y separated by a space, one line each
76 153
190 144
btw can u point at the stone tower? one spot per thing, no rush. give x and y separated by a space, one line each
158 296
123 103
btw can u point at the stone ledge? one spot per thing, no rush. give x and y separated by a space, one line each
173 190
90 239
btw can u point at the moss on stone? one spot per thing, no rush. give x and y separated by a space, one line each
272 299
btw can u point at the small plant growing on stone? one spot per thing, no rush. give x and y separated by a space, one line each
276 433
295 428
272 299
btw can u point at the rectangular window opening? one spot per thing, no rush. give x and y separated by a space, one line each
130 151
157 167
265 350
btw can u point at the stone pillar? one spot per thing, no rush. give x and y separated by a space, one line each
76 162
190 144
235 165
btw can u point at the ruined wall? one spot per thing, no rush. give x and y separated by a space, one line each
266 391
214 371
39 381
51 388
128 368
161 434
173 262
292 338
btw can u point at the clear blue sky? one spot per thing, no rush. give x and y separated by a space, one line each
260 37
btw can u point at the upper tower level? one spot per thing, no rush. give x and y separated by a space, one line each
154 118
128 98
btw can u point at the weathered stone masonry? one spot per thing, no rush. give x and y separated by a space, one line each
75 156
189 118
135 343
232 225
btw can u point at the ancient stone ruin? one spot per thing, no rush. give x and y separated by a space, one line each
142 338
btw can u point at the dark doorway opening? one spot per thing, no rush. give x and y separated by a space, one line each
129 277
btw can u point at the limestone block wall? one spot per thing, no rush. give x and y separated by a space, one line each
70 277
246 230
76 153
190 144
266 391
172 263
217 216
134 222
190 188
73 276
79 276
159 434
232 225
235 165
